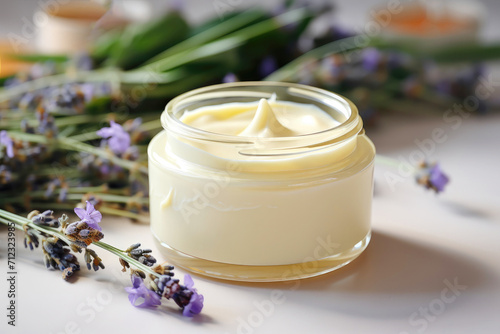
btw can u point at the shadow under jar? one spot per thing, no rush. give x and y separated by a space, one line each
245 207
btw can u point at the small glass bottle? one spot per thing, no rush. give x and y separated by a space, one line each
284 208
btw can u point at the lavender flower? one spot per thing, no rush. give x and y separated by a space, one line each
51 187
58 256
132 125
92 260
63 194
432 177
6 141
46 124
83 62
267 66
118 139
68 96
90 216
139 290
29 101
371 59
141 255
30 239
82 234
437 178
45 218
195 304
230 77
185 296
44 69
339 32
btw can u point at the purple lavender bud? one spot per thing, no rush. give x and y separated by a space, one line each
28 101
437 178
25 127
46 261
195 304
267 66
371 58
339 32
118 139
230 77
71 228
6 141
83 62
443 87
69 257
84 233
63 195
88 91
432 177
139 290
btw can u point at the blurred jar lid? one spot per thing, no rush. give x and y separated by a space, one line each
68 27
71 27
434 22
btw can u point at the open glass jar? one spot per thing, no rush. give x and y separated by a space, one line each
261 208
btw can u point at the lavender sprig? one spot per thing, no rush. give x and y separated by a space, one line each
75 145
61 239
429 175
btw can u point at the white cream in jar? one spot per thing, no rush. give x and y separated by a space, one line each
261 181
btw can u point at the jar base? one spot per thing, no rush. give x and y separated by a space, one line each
251 273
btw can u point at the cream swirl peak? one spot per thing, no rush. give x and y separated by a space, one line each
266 118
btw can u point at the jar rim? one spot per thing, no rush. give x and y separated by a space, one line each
346 129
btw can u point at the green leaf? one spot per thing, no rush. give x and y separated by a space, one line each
229 42
38 58
211 33
139 43
466 52
105 44
217 21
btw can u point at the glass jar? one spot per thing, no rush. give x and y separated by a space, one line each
271 209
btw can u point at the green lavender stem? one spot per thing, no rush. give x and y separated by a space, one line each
287 72
146 126
391 162
20 222
54 80
75 196
114 76
210 34
102 209
75 145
